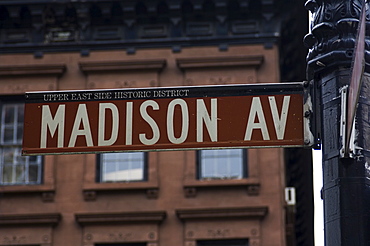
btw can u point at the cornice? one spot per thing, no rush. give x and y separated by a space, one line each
229 61
51 219
33 69
222 213
43 26
120 218
105 66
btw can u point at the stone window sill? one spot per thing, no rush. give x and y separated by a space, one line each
47 191
252 185
51 219
124 217
90 190
222 213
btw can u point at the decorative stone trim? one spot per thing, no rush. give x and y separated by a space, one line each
89 195
27 188
48 196
190 192
47 192
33 69
98 66
90 191
51 219
251 184
211 213
228 61
253 190
121 218
152 193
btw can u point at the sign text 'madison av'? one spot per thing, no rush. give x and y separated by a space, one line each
269 115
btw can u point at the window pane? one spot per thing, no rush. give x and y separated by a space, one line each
16 169
20 159
12 123
9 114
7 174
34 159
8 156
19 135
207 169
20 174
33 173
116 167
8 135
20 117
221 164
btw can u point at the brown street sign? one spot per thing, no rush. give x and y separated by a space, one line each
177 118
357 72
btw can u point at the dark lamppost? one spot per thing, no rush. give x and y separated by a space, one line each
346 175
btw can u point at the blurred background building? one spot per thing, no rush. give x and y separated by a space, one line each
190 198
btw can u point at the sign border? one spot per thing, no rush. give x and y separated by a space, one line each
229 90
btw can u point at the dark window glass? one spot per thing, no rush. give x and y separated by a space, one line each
236 242
120 244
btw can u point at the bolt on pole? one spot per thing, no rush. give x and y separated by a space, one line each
332 44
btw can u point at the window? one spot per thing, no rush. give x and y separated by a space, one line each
222 164
238 242
121 244
14 168
122 167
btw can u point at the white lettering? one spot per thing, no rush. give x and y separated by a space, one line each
48 122
129 128
209 120
150 121
81 117
185 121
279 121
101 128
256 110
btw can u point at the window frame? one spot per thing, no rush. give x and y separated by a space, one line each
244 165
98 176
40 171
17 99
91 187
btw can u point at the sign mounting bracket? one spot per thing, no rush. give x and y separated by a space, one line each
345 151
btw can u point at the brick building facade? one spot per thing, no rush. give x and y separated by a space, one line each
206 197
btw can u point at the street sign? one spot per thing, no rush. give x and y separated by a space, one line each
177 118
357 71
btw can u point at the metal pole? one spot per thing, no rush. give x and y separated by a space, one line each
346 180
